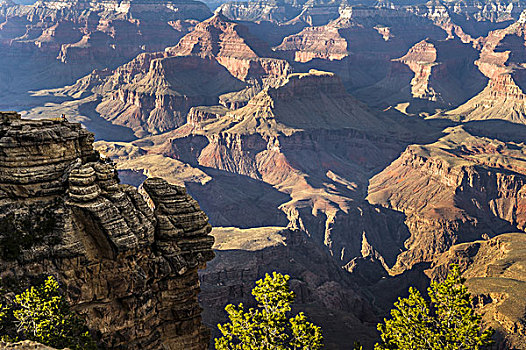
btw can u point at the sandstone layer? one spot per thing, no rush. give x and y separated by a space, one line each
128 260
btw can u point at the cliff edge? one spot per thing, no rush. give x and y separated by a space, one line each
127 259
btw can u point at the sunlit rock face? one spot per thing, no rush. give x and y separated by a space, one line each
459 189
128 260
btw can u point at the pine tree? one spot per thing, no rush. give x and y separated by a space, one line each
268 327
43 315
446 322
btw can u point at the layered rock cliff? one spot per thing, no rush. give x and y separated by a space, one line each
154 92
359 45
128 260
474 15
502 62
309 160
459 189
233 46
310 12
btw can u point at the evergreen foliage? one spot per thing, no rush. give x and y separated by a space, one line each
42 314
268 326
446 322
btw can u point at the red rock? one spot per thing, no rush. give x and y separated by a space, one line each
71 38
500 60
455 190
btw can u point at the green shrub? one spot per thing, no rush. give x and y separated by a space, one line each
447 322
42 314
268 326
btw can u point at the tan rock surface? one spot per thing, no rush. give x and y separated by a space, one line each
24 345
130 270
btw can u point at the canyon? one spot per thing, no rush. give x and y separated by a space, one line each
361 147
72 38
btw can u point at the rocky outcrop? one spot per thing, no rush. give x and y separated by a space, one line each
459 189
433 74
159 98
315 42
24 345
127 259
434 66
494 275
201 114
233 46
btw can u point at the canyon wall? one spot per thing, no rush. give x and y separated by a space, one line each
458 189
127 259
494 272
71 38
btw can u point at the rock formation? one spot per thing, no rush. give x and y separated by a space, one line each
234 47
359 45
432 74
311 157
312 13
502 61
127 259
459 189
494 270
154 92
53 43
